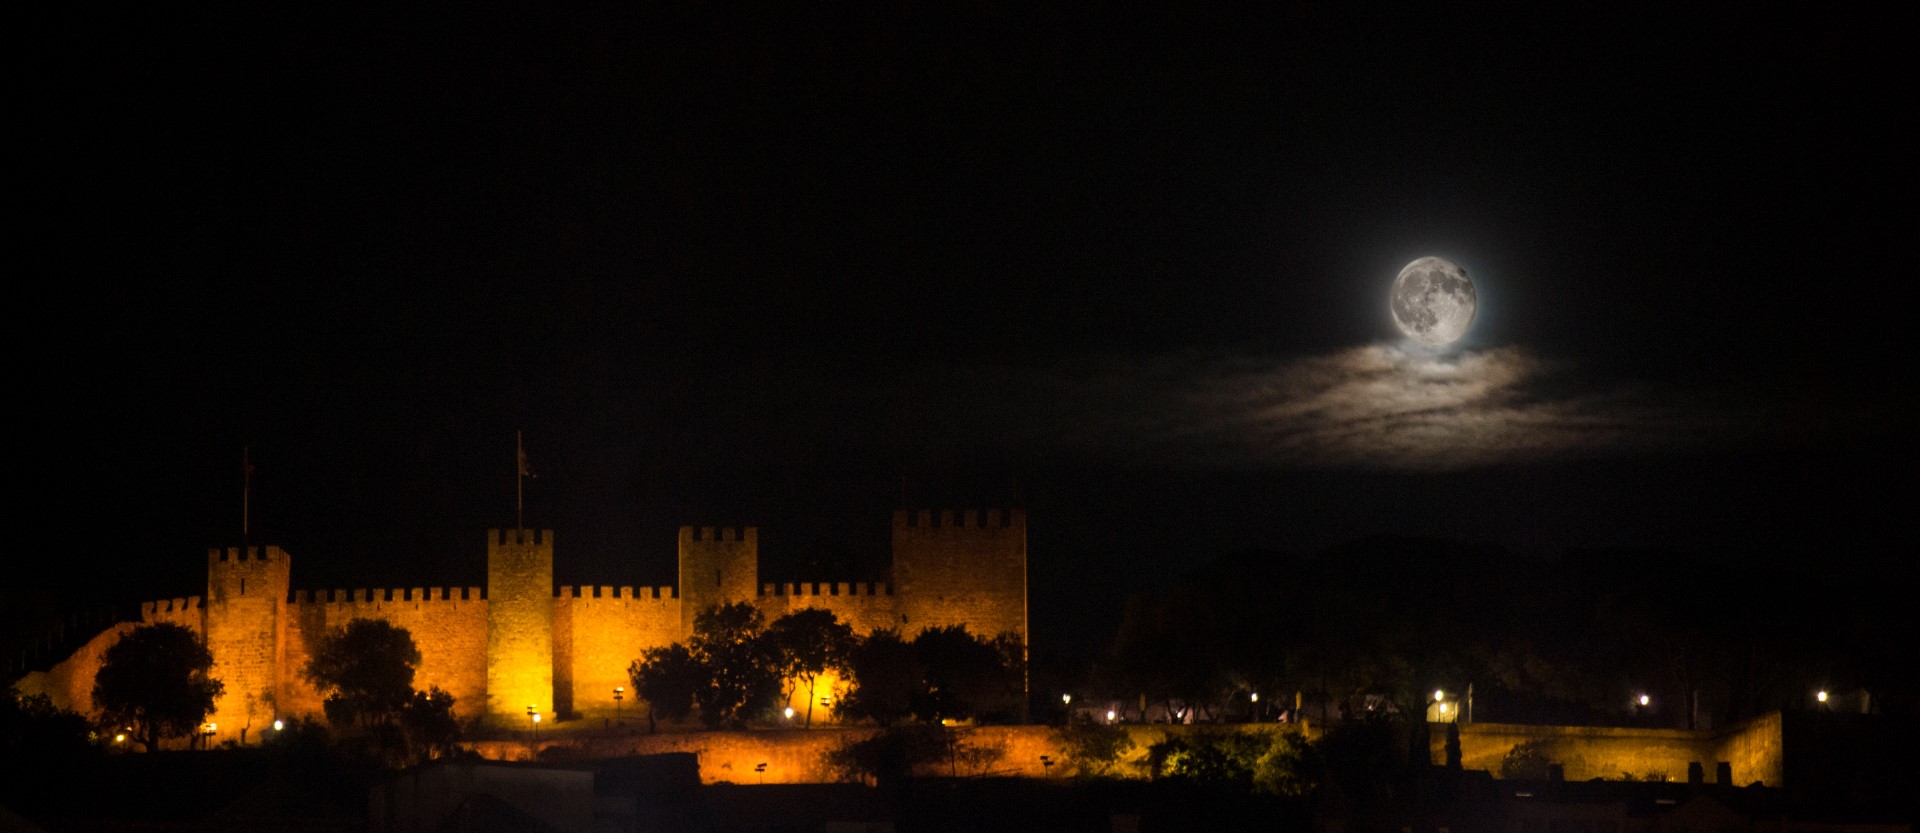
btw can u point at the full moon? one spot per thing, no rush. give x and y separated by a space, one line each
1433 301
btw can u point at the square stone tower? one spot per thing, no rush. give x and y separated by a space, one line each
519 625
717 566
246 630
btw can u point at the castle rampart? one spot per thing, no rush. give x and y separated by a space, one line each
448 625
521 641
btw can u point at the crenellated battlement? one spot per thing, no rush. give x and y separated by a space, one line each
148 610
389 594
519 537
745 534
239 555
624 593
825 588
947 521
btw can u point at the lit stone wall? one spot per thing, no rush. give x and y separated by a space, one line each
598 632
519 624
69 683
864 606
961 569
1756 749
1753 749
448 625
245 608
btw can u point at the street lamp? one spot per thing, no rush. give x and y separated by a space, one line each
1253 707
533 727
1109 715
619 694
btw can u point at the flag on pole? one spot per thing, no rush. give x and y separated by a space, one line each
525 469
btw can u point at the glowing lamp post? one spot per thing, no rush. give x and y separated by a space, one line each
533 728
1253 707
619 694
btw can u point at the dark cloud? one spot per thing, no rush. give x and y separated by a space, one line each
1374 407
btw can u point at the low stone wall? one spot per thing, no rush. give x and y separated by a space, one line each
1752 750
797 756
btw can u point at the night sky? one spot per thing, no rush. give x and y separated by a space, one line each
797 270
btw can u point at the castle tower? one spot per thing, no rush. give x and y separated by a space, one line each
967 569
519 625
717 566
246 628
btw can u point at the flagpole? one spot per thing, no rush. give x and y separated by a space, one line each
246 491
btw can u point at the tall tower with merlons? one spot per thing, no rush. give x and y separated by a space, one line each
519 624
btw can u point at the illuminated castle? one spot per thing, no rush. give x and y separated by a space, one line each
517 642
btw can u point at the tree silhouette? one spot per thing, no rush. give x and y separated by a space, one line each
741 677
966 676
886 676
666 677
807 643
365 671
155 680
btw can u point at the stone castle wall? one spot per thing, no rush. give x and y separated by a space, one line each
598 632
448 625
521 641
